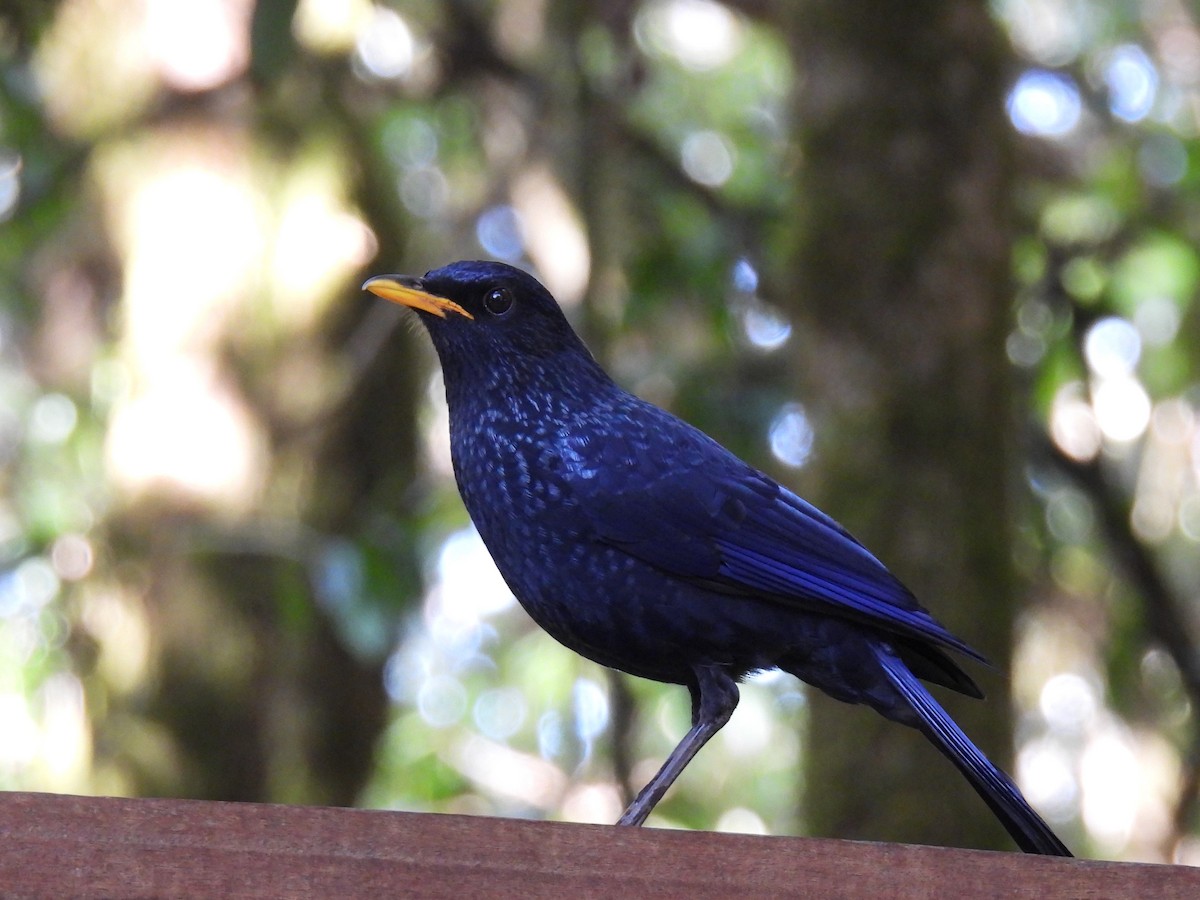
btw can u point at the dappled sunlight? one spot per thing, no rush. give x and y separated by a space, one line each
331 26
118 624
197 44
699 34
317 242
22 738
66 738
1122 408
468 587
1051 32
94 67
507 773
740 820
1046 773
48 733
596 804
189 435
193 236
755 726
1069 702
1129 784
1112 347
1166 484
554 234
435 430
200 241
1124 414
1073 425
1122 781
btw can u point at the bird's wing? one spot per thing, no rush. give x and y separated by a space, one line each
679 501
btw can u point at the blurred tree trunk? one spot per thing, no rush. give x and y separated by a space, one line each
903 273
261 688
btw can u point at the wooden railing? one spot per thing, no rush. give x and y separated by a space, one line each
66 846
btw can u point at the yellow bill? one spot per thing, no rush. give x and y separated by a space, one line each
405 291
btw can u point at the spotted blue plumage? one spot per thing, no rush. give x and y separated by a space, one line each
641 543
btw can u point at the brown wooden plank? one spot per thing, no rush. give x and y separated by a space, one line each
59 846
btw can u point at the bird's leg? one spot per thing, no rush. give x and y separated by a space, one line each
714 698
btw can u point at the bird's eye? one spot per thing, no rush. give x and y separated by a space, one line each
498 301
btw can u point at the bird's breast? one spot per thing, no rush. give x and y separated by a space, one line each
513 474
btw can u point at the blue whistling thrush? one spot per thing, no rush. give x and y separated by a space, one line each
639 542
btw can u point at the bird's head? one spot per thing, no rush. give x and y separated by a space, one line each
489 314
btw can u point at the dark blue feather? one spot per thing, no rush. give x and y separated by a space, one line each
1031 833
695 510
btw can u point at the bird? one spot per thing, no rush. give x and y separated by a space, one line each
641 543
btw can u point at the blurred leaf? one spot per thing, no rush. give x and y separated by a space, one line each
1158 265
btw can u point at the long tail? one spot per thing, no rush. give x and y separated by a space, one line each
1027 828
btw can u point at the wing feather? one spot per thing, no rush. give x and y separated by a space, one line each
693 509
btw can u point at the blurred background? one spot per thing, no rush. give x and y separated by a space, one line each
933 266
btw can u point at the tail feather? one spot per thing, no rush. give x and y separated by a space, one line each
1027 828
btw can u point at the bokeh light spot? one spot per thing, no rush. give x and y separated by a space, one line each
791 435
499 713
1189 518
764 326
411 141
707 158
471 586
590 702
197 45
1111 780
385 45
441 701
1122 408
1025 349
1045 773
550 734
1073 425
71 556
498 231
1132 83
27 589
1112 347
1068 702
52 419
1044 104
10 183
699 34
744 276
1157 320
1069 516
424 191
740 820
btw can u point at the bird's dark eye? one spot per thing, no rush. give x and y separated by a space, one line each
498 301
